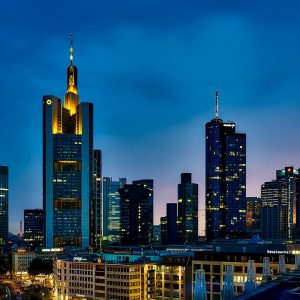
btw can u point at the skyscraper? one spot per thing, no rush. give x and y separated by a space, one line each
187 210
274 217
34 227
225 179
169 225
3 204
291 177
111 207
96 224
68 186
136 205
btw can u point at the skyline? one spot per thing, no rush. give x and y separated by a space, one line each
127 63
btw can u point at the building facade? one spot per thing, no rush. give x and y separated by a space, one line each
34 227
68 186
291 177
111 207
274 210
3 204
136 216
187 229
97 217
253 215
225 179
169 225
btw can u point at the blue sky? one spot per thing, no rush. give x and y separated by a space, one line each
151 69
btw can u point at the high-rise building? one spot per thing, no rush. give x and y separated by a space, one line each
169 225
136 205
291 177
253 215
96 224
34 227
274 217
3 204
111 207
148 183
68 185
225 179
187 232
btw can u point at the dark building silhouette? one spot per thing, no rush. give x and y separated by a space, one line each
225 179
96 214
163 230
187 230
168 225
68 166
274 217
253 215
34 227
3 204
136 212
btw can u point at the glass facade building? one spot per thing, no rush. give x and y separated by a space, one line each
136 213
187 229
225 180
34 227
3 204
111 207
274 208
291 177
68 185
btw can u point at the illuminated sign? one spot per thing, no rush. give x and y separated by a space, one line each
49 101
229 125
53 250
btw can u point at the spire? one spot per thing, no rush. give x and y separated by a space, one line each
217 105
71 49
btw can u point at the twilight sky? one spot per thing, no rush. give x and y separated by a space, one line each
151 69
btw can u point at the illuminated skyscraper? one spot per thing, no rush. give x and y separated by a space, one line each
291 177
111 207
136 212
187 229
274 204
68 185
225 179
34 227
3 204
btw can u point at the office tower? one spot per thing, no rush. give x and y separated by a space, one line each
274 202
225 179
169 225
253 215
136 205
149 184
3 204
111 207
34 227
187 210
291 177
68 166
96 225
163 230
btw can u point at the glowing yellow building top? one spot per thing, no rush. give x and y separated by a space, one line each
71 97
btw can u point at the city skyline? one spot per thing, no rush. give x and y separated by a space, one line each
162 72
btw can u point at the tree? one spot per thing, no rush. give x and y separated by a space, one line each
4 264
39 266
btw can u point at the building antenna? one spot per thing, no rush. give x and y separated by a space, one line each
217 105
71 49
